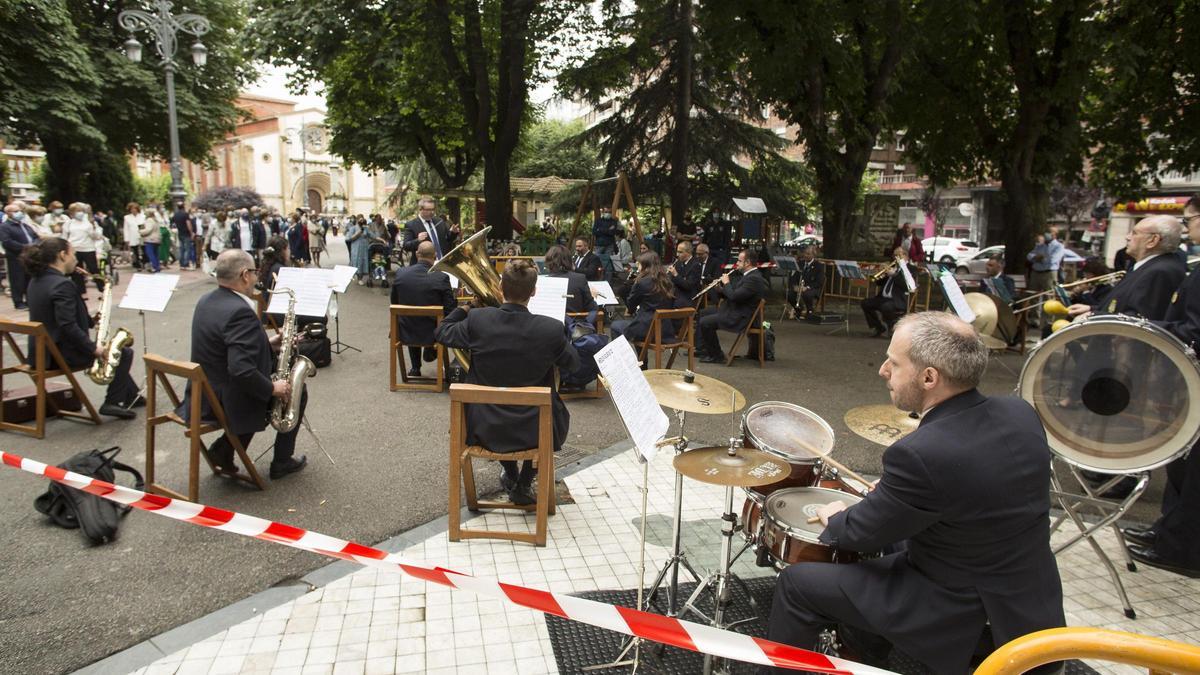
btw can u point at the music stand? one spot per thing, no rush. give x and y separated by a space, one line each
340 278
148 293
786 264
851 272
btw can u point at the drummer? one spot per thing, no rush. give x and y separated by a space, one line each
969 491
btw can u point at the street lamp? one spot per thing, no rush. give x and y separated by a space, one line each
164 26
314 136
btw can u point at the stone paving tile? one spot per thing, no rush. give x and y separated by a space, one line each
375 622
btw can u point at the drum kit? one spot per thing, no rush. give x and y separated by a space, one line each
783 463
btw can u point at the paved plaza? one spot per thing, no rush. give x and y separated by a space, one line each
170 593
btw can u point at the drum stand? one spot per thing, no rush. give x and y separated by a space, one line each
1110 510
678 557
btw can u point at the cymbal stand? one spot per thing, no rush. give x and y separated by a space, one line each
720 579
678 557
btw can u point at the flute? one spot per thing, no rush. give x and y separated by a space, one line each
706 289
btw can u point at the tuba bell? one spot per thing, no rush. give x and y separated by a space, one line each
470 264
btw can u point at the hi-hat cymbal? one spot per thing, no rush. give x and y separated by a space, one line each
694 393
986 315
882 424
746 468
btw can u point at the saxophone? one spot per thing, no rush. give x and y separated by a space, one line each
285 413
104 370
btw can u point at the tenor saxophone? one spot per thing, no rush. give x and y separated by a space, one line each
104 369
294 368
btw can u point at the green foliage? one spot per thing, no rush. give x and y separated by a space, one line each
227 198
155 188
37 176
546 150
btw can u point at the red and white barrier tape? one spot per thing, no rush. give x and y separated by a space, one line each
664 629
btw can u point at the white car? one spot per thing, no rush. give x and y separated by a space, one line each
948 250
977 264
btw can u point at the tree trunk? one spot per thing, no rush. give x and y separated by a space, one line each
837 222
1024 217
683 112
454 209
498 195
64 174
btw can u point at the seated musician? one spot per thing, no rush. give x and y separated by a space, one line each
581 330
1157 272
558 265
585 262
652 290
998 283
891 302
741 297
685 274
969 493
1093 293
54 302
414 285
804 285
233 349
276 256
510 347
710 271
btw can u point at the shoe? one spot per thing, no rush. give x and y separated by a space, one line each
507 484
430 354
289 465
114 410
1148 556
414 372
522 495
139 401
712 359
1142 536
229 470
22 307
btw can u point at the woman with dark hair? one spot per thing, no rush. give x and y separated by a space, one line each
276 256
652 290
558 264
54 302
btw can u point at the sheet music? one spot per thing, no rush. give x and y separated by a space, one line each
149 292
908 278
955 295
550 299
341 276
453 279
606 295
644 419
313 288
849 269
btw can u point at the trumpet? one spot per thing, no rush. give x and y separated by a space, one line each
887 271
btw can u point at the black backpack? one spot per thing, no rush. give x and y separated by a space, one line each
73 509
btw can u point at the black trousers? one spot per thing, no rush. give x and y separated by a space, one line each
524 477
285 444
708 323
808 297
1178 527
17 279
88 261
882 313
122 390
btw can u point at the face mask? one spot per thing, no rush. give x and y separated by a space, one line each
57 212
19 216
81 216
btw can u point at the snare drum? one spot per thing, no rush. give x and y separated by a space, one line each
796 435
788 537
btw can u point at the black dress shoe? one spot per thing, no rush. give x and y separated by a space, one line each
290 465
139 401
522 495
430 354
114 410
507 484
1142 536
1147 555
712 359
414 372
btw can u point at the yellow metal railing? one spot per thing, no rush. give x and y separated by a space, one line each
1060 644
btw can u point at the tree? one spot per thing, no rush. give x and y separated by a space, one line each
546 150
830 68
228 198
679 121
1009 83
1072 201
931 204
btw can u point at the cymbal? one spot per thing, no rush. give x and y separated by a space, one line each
703 394
993 342
986 315
746 468
882 424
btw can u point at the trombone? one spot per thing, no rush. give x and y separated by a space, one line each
879 276
1059 290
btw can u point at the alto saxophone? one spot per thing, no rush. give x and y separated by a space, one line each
285 413
104 370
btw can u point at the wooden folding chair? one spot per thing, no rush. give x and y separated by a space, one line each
685 338
598 391
412 382
753 328
461 471
43 346
157 370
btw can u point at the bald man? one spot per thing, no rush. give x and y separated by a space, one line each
15 234
414 285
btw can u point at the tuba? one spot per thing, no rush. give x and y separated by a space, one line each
104 370
470 264
285 413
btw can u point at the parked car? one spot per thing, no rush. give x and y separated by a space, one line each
804 240
977 264
948 250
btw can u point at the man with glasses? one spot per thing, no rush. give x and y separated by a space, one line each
685 274
1173 541
1157 271
428 227
230 344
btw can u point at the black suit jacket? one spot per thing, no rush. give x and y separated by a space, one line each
741 299
414 285
229 343
13 236
709 270
510 348
581 299
1147 290
643 300
1183 316
54 301
970 492
813 274
414 227
589 266
686 281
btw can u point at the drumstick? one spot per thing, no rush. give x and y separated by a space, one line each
830 461
814 519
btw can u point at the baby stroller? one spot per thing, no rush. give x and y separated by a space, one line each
379 263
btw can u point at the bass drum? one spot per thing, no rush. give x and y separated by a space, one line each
1116 394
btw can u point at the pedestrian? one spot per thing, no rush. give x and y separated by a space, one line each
1045 259
83 234
316 241
15 234
181 222
151 234
132 226
356 239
